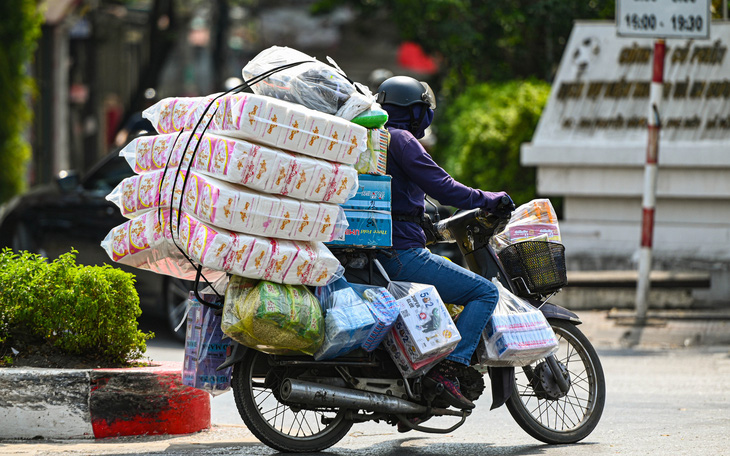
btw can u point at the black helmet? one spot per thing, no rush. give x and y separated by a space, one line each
405 91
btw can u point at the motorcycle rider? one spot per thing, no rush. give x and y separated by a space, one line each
410 105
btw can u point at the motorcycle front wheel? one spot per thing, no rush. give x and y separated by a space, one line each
544 411
287 429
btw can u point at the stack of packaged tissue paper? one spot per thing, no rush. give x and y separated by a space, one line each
248 183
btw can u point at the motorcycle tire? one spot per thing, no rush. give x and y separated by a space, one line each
279 426
542 410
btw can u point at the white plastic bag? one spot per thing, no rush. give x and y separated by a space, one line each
517 334
313 84
535 220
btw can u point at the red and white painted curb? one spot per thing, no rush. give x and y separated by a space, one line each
98 403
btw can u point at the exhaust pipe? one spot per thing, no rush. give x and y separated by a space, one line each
316 394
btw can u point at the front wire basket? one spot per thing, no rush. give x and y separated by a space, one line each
536 266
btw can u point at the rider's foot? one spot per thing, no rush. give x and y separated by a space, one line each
445 373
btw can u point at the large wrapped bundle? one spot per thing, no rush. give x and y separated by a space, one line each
272 318
348 323
261 168
357 316
146 241
313 84
264 120
229 206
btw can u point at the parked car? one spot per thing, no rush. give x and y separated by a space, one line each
73 212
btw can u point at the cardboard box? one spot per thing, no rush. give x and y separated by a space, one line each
373 193
367 229
424 327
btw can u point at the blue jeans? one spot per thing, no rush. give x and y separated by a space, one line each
455 285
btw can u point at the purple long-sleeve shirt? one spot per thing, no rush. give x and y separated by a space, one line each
415 174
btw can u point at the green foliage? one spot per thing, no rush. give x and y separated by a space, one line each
481 40
481 131
20 24
89 311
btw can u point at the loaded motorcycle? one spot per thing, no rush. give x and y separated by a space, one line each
298 404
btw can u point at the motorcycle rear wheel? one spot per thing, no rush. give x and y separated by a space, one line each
572 417
277 425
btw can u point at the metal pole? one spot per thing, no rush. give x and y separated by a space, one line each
650 179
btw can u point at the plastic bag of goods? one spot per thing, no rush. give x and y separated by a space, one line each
229 206
347 321
264 120
205 350
356 316
374 159
535 220
517 334
261 168
313 84
373 117
272 318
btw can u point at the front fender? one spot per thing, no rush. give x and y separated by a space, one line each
234 354
551 310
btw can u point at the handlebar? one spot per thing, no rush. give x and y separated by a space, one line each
456 226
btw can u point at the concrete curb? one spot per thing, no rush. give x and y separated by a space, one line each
98 403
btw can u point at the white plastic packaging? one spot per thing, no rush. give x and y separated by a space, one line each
517 334
264 120
261 168
314 84
147 243
224 205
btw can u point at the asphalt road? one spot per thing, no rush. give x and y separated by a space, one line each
659 402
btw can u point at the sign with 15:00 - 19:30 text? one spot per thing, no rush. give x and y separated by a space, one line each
663 18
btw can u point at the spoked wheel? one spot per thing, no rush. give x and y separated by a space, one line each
255 387
542 409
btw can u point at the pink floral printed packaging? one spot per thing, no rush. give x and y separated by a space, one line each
264 120
228 206
153 241
238 161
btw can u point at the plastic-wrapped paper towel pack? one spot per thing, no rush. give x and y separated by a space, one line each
229 206
261 168
264 120
148 243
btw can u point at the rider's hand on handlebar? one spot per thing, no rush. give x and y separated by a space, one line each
499 204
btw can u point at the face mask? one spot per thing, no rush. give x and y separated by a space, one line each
423 116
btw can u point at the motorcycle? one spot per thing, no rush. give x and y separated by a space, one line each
297 404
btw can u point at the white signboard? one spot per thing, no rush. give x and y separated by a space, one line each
663 18
601 92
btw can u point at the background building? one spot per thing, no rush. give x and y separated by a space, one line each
590 149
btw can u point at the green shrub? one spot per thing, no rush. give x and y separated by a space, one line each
89 311
480 133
